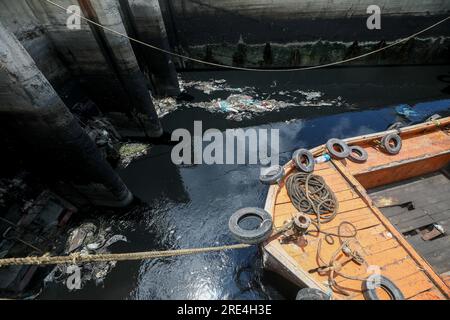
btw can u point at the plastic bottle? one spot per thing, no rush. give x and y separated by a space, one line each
323 158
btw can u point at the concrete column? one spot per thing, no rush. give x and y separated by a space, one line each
21 20
32 111
149 24
81 53
104 62
124 61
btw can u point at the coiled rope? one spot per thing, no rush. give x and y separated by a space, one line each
243 68
311 195
76 258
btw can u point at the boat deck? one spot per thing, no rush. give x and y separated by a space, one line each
379 246
431 205
388 238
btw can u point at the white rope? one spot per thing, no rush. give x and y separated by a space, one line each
251 69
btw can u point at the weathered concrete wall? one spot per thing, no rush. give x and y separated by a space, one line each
297 9
149 26
202 21
83 54
34 113
22 21
211 29
124 62
104 64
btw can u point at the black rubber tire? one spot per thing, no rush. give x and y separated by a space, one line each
254 236
345 150
311 294
433 117
386 284
358 154
275 174
297 157
396 126
387 146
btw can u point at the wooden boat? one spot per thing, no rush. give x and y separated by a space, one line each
401 242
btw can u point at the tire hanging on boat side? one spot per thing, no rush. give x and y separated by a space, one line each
253 236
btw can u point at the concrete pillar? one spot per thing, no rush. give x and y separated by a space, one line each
124 61
81 53
104 62
149 25
21 20
32 111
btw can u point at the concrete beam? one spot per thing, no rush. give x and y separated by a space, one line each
20 19
80 52
317 9
124 61
34 113
104 62
148 22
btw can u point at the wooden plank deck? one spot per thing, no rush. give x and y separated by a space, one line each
378 245
430 195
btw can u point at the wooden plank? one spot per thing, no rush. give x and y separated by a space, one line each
407 216
410 286
439 259
343 195
425 247
344 206
419 260
412 146
395 271
431 294
414 224
419 185
401 171
421 198
381 246
277 253
441 216
414 284
429 209
385 249
438 207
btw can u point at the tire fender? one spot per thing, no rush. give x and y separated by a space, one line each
386 143
254 236
271 175
358 154
299 155
342 151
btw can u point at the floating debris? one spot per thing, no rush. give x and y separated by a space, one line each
86 239
165 106
208 87
132 151
105 136
244 103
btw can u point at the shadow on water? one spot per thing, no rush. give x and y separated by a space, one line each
186 207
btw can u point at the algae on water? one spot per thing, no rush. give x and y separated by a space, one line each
132 151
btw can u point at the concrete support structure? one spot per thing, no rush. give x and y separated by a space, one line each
104 62
306 32
22 21
123 61
147 21
52 137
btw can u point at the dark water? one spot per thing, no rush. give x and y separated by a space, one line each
185 207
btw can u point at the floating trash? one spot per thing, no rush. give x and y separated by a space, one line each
208 87
86 239
244 103
132 151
